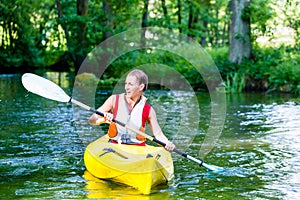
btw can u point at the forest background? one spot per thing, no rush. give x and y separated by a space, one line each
254 43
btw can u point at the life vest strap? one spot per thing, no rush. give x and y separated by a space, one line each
112 132
116 107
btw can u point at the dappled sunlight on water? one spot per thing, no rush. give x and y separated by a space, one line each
268 148
284 142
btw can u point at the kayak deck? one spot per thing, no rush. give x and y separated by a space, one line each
141 167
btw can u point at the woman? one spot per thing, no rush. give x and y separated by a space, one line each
130 108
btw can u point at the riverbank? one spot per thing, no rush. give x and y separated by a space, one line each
269 70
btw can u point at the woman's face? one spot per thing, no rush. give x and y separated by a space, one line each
132 87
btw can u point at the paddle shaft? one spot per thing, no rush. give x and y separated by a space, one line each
45 88
200 162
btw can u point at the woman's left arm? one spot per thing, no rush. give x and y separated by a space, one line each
157 132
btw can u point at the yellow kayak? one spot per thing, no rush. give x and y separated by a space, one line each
141 167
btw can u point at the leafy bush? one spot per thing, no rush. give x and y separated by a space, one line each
270 70
286 75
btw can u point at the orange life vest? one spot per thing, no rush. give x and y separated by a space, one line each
121 113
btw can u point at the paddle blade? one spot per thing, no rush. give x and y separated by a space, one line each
213 168
43 87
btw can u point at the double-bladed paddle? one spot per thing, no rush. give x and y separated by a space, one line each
45 88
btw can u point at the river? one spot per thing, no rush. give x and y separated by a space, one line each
42 146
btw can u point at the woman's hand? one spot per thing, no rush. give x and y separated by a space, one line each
108 117
98 120
169 146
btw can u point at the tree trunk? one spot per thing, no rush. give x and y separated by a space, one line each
204 13
225 29
216 43
10 35
80 54
203 38
193 19
107 27
65 28
82 10
239 35
179 15
191 16
144 22
165 11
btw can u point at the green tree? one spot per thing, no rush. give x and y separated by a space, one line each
292 19
240 43
22 32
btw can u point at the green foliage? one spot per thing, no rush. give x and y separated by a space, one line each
286 75
292 19
271 70
149 60
235 82
246 13
21 33
260 12
32 36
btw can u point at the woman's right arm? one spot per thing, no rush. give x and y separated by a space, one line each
106 107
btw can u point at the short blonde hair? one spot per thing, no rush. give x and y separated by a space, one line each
141 76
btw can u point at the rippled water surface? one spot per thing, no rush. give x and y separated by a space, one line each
43 141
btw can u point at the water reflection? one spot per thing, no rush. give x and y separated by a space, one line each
101 189
62 79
